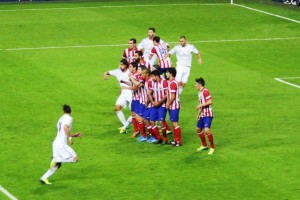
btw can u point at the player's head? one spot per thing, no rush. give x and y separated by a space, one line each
155 75
199 83
151 32
140 69
182 40
156 67
123 64
138 55
66 109
132 43
171 73
156 39
146 72
133 67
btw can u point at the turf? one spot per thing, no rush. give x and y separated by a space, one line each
256 120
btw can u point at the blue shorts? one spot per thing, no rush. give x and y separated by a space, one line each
147 113
134 105
158 114
141 110
174 115
204 122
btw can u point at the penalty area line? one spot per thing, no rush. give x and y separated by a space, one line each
9 195
288 83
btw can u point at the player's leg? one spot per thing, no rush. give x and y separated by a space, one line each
207 125
199 130
174 118
140 119
121 103
162 111
155 131
184 79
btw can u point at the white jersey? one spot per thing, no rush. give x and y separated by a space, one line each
61 137
120 75
184 54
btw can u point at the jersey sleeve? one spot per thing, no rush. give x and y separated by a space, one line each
173 51
194 49
206 95
153 51
114 72
173 87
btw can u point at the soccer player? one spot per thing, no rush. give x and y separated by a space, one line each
183 53
147 45
138 57
158 93
173 105
144 109
133 67
205 116
129 52
122 74
160 51
62 153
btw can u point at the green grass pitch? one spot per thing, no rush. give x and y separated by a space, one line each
256 125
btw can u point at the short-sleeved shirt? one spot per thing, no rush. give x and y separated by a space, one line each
61 137
184 54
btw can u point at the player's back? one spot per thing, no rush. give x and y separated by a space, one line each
61 137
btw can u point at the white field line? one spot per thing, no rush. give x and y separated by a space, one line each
121 6
118 45
288 83
7 193
267 13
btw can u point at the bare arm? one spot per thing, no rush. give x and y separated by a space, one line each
69 135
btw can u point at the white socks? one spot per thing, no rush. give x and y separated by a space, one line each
128 122
121 117
180 89
50 172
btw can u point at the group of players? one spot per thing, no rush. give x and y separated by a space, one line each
153 88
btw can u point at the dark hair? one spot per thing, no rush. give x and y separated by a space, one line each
133 40
155 73
66 108
172 71
144 68
134 65
200 81
182 37
157 67
125 62
156 39
140 53
152 29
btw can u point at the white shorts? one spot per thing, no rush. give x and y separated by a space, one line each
63 151
183 73
124 98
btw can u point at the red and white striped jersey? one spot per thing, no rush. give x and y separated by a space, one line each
149 84
129 54
146 63
159 89
161 51
204 96
135 94
174 89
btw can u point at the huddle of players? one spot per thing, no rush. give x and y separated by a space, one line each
151 97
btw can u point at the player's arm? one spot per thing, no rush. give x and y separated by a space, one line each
69 135
199 58
150 97
200 106
170 101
